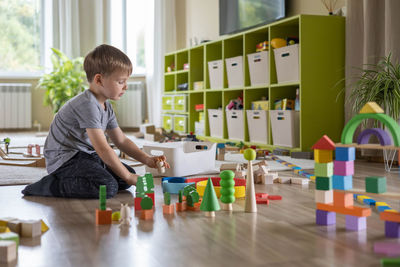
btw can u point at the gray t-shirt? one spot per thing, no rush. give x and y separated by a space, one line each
67 133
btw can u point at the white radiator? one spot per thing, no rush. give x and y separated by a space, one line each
15 105
131 106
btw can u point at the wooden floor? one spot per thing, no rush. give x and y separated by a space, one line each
283 233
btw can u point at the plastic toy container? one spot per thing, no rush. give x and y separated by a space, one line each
167 122
167 103
257 121
180 103
185 158
234 69
180 123
285 127
216 73
235 123
259 68
216 122
287 63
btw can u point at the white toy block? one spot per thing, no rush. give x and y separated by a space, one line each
31 228
298 180
8 251
240 174
269 178
284 180
324 196
230 166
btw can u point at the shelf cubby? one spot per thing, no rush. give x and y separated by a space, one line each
194 99
182 58
169 61
196 66
213 52
250 96
169 83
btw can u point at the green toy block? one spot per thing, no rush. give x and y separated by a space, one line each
167 198
102 197
323 183
323 169
390 262
10 236
146 203
375 184
180 196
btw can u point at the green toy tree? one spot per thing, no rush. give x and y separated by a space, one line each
167 198
210 201
227 189
146 203
180 196
191 194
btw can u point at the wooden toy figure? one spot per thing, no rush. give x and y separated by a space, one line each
167 207
147 208
210 201
250 201
125 214
160 167
227 189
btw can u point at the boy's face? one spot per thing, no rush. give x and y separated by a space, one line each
114 85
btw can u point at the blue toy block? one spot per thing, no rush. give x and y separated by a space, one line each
382 208
370 202
296 168
345 153
392 229
325 217
340 182
355 196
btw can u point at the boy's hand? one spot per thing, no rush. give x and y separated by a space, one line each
152 161
132 179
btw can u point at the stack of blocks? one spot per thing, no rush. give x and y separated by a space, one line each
103 214
144 186
331 179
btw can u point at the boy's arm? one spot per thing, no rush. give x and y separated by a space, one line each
107 154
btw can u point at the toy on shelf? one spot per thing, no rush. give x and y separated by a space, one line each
181 204
144 187
146 205
227 189
250 201
167 207
125 215
210 201
103 214
263 46
278 43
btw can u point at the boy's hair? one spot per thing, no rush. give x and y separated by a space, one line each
105 59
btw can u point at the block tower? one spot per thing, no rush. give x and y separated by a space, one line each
332 179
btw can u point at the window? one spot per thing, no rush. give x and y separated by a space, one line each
23 37
127 30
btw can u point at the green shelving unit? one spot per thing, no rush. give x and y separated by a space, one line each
321 68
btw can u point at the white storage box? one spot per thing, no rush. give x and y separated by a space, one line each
287 63
259 68
216 73
257 121
235 123
234 68
285 127
185 158
216 122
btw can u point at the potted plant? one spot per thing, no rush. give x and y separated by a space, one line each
65 81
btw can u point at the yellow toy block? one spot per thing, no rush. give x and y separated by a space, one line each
4 229
312 178
323 156
371 107
361 198
378 204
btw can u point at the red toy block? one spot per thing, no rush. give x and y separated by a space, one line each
168 209
180 206
351 210
324 143
261 195
103 216
138 199
342 199
390 216
274 197
146 214
262 201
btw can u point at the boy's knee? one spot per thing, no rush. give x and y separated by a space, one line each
111 188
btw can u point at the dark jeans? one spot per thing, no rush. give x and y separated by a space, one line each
80 177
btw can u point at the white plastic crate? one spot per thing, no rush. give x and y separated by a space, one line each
259 68
285 127
235 123
287 63
216 74
185 158
234 68
180 123
180 103
257 121
216 122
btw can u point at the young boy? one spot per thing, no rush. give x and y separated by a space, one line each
78 157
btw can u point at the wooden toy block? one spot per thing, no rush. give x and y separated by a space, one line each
146 214
323 183
342 182
284 180
390 216
345 153
324 143
8 251
103 216
323 169
324 196
351 210
298 180
102 197
196 207
262 200
375 184
361 198
323 217
31 228
181 206
371 107
274 197
355 223
139 199
261 195
388 248
168 209
342 199
392 229
390 262
383 208
344 168
4 229
381 203
323 156
269 178
10 236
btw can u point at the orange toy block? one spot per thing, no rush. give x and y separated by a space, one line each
196 207
181 206
103 216
350 210
146 215
342 199
168 209
390 216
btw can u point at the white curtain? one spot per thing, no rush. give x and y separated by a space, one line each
160 38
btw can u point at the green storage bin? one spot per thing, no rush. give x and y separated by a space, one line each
180 123
167 122
180 103
167 103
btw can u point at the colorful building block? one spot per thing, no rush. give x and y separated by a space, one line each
383 208
324 143
388 248
168 209
341 182
390 262
8 251
371 107
146 214
325 217
390 216
10 236
31 228
323 183
324 196
323 156
351 210
369 201
342 199
344 168
103 216
392 229
323 169
345 153
375 184
355 223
